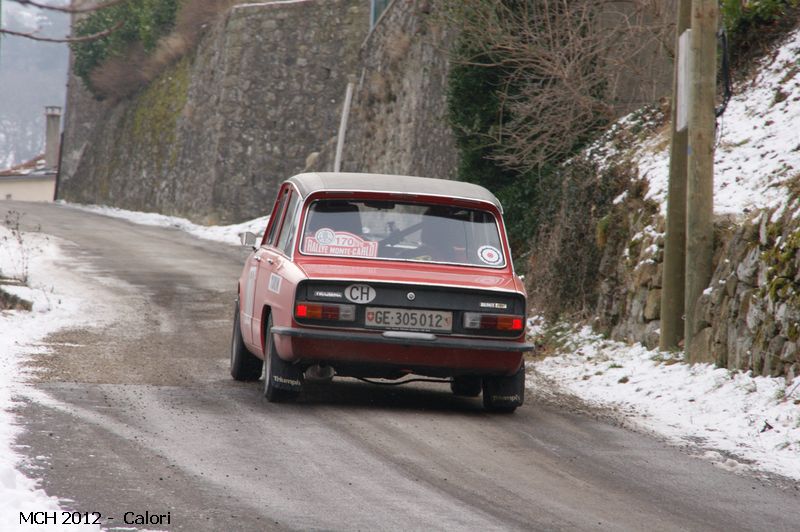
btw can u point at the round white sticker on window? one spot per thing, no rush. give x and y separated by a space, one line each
325 236
490 255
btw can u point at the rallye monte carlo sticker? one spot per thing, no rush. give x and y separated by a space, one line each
340 243
490 255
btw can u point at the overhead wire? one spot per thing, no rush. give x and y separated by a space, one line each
725 72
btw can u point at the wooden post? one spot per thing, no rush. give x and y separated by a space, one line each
700 179
673 277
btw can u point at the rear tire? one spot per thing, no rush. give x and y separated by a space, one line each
245 366
274 365
466 386
504 394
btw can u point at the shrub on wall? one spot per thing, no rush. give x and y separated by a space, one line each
520 101
753 24
564 268
474 109
141 22
740 16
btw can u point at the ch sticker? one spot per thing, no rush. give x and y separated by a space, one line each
359 293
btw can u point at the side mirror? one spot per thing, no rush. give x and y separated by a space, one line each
248 239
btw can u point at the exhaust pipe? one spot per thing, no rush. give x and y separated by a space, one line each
319 374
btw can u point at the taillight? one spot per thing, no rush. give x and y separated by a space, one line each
320 311
497 322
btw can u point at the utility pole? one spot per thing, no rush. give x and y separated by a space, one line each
673 277
700 178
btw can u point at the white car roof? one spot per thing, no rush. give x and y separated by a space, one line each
396 184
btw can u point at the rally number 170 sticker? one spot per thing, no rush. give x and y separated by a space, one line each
490 255
326 241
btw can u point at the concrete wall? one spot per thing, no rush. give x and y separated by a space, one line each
212 137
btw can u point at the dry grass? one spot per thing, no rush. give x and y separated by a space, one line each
379 90
397 46
119 77
9 301
662 139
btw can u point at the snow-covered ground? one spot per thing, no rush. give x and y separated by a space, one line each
59 294
758 144
228 234
737 421
57 303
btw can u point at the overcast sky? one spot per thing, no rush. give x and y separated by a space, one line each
24 18
32 75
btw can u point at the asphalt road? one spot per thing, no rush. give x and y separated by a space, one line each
145 417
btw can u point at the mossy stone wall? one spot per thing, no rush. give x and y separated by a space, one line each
398 119
748 318
215 134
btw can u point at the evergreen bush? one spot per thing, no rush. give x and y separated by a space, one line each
741 18
144 22
474 108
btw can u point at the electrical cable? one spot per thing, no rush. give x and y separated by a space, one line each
722 35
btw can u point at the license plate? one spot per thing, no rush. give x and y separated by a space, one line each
408 319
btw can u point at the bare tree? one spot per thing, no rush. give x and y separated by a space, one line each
562 61
71 9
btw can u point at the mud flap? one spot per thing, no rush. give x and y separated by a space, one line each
504 393
286 376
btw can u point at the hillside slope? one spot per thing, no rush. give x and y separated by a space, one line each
758 142
749 317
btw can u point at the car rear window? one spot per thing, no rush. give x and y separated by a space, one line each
390 230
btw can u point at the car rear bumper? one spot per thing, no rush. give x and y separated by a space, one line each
401 350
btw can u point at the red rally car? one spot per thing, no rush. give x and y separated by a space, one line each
382 276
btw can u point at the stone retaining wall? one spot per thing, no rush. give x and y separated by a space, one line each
212 137
398 119
748 318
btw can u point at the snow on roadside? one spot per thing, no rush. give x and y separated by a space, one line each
228 234
56 304
741 422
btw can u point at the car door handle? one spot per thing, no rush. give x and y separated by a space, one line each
257 259
270 261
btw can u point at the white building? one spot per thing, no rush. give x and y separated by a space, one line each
35 180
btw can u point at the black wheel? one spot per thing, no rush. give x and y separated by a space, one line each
466 386
504 394
245 366
274 371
